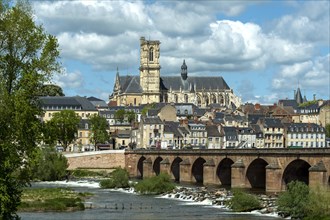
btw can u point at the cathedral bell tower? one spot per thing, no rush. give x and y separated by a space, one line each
149 71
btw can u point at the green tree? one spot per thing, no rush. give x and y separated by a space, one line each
318 206
99 126
49 165
327 130
51 90
155 185
65 124
120 115
243 202
28 58
294 201
130 115
119 179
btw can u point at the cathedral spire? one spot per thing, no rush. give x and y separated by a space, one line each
184 72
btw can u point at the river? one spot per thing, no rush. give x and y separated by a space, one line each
118 204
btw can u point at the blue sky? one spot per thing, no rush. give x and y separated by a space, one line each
263 49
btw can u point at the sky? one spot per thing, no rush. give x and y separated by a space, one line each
263 49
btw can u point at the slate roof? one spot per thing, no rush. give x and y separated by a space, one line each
230 133
304 127
288 102
82 124
193 82
152 120
212 131
272 123
80 103
172 127
131 84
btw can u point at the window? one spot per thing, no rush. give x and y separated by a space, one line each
83 115
151 54
80 134
186 112
86 125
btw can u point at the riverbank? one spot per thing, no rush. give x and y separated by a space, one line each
52 199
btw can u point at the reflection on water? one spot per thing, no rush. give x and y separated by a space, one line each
108 204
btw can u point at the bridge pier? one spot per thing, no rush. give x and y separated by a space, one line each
185 171
165 167
318 175
209 172
147 168
238 174
273 178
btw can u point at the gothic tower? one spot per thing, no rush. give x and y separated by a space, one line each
149 70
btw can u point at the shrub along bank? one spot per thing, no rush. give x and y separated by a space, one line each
155 185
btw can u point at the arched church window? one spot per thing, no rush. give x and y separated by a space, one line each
221 100
199 101
185 98
165 98
213 99
207 102
151 54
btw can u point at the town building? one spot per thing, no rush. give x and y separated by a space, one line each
151 87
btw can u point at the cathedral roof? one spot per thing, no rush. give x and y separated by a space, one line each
200 83
130 84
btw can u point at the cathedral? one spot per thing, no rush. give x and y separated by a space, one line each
150 87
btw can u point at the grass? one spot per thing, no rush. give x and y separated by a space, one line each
52 199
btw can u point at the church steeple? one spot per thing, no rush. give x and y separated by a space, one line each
184 71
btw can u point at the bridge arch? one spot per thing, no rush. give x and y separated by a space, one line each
156 165
256 173
197 169
296 170
175 168
224 171
140 167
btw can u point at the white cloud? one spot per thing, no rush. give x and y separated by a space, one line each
68 80
105 35
311 75
309 24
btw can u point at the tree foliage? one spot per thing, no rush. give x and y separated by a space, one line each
119 179
327 130
301 202
120 115
51 90
99 126
65 125
155 185
244 202
293 202
49 165
28 58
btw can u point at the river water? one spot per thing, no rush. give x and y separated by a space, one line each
118 204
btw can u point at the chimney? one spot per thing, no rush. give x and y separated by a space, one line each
314 97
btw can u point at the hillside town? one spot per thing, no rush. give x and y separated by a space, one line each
286 124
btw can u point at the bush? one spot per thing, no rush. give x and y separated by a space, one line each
318 206
294 201
49 165
88 173
155 185
243 202
119 179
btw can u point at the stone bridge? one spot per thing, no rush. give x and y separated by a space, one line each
269 169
